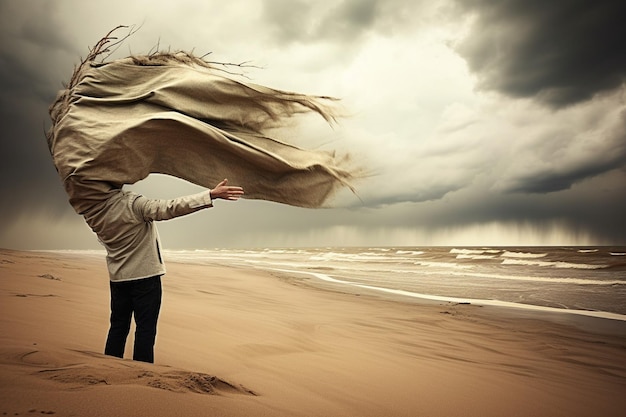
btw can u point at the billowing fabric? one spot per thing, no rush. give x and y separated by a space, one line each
117 122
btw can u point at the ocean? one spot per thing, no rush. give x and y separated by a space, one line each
588 281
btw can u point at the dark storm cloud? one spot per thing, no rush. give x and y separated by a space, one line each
33 62
560 52
552 181
576 151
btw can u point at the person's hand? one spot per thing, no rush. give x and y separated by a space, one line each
226 192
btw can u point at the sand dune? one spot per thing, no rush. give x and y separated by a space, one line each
242 342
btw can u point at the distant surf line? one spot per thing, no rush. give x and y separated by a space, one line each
575 281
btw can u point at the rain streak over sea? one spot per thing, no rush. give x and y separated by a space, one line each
589 281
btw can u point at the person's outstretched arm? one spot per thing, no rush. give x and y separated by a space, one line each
152 209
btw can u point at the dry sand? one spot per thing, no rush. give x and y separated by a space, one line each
243 342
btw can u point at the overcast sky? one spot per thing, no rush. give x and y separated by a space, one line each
486 122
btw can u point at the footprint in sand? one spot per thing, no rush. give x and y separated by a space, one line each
34 295
49 276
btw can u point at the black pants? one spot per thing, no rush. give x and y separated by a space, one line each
142 298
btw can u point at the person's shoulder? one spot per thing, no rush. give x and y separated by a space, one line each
120 196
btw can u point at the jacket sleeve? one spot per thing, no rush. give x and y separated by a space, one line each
155 210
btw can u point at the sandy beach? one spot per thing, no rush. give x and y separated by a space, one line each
236 341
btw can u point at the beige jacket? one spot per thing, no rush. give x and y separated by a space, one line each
124 223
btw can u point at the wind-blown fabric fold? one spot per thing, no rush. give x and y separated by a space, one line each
119 121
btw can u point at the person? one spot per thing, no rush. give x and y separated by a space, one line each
124 224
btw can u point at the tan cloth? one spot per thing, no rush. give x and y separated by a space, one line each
123 120
124 223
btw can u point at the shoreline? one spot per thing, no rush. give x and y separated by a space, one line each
240 341
589 321
480 302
